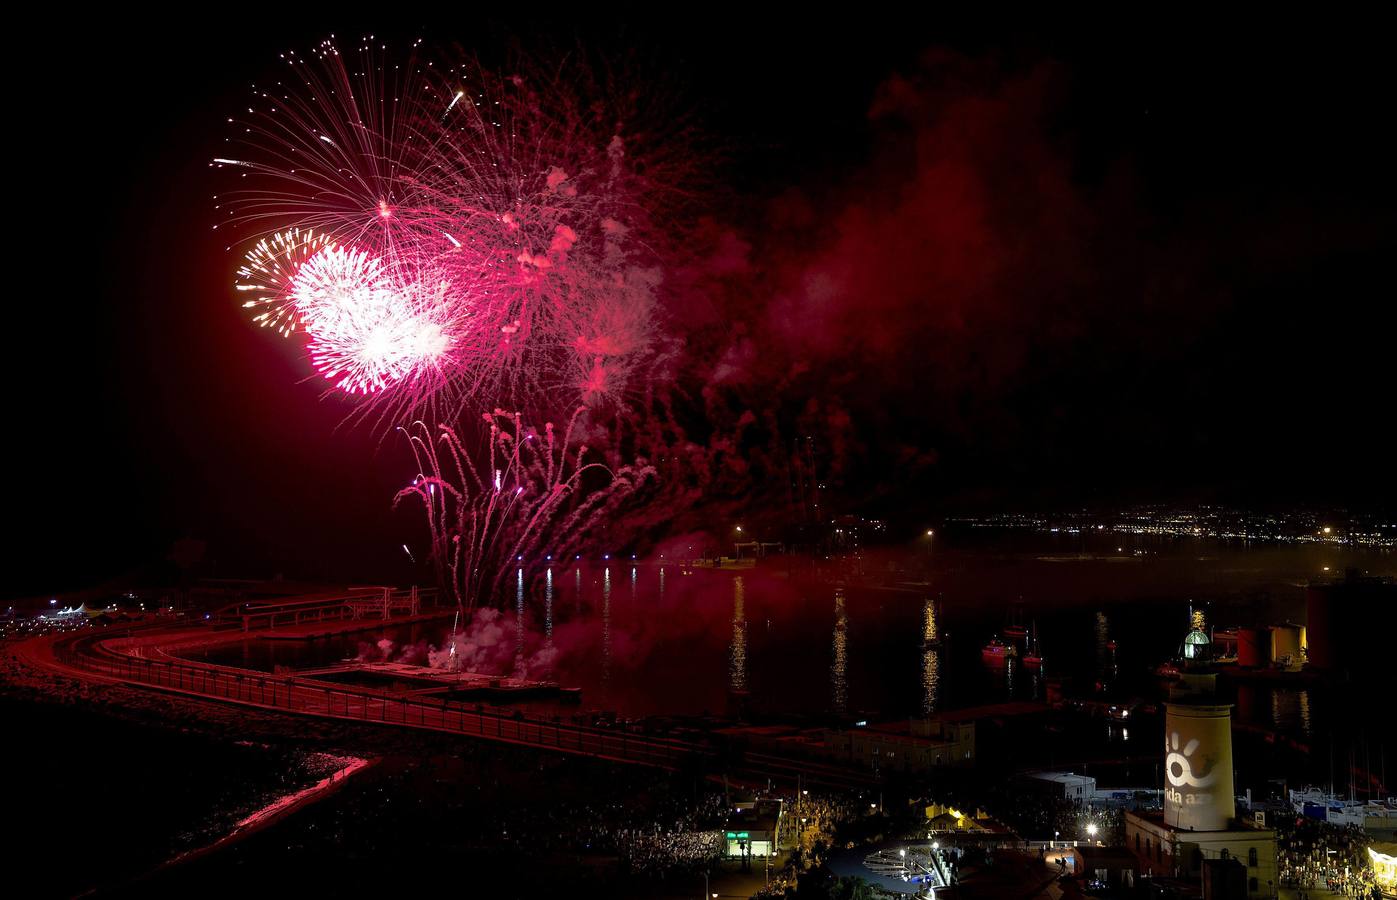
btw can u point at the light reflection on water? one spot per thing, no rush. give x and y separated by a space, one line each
931 658
839 668
1290 710
548 609
1105 656
519 625
606 629
737 663
683 643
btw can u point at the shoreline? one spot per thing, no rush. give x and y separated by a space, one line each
279 809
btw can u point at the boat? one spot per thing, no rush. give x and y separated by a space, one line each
1121 712
1326 806
1014 631
996 651
1033 656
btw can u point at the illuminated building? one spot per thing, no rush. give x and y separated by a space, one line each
753 827
942 819
1383 858
1198 822
1280 645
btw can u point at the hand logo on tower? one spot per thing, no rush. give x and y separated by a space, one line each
1179 769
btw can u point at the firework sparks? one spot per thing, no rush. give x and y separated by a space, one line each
368 330
445 238
477 240
267 274
532 498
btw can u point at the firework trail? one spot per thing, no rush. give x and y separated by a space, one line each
448 237
529 493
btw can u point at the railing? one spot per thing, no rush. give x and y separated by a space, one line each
369 705
355 604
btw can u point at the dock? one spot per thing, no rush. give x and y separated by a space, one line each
465 685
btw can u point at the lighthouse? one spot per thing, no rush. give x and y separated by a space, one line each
1197 836
1198 793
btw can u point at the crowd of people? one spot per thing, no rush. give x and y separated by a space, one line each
815 818
652 834
1039 816
678 849
1311 855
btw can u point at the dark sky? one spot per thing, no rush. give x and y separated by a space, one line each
1072 262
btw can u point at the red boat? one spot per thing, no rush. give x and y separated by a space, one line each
1033 656
998 652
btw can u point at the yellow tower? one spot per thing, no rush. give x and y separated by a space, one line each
1198 793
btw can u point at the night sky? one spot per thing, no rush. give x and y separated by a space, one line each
991 266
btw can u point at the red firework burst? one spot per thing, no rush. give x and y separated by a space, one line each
446 235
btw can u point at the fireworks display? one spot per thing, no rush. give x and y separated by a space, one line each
536 495
369 330
442 236
445 240
369 326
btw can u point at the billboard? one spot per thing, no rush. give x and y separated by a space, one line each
1198 767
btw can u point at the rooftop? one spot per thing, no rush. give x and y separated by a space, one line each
1063 778
1156 817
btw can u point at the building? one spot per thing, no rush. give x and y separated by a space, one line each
1107 867
1224 879
915 745
1383 859
1165 851
753 827
1198 822
1282 645
946 819
1061 785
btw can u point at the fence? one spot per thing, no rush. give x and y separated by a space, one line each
310 697
358 603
